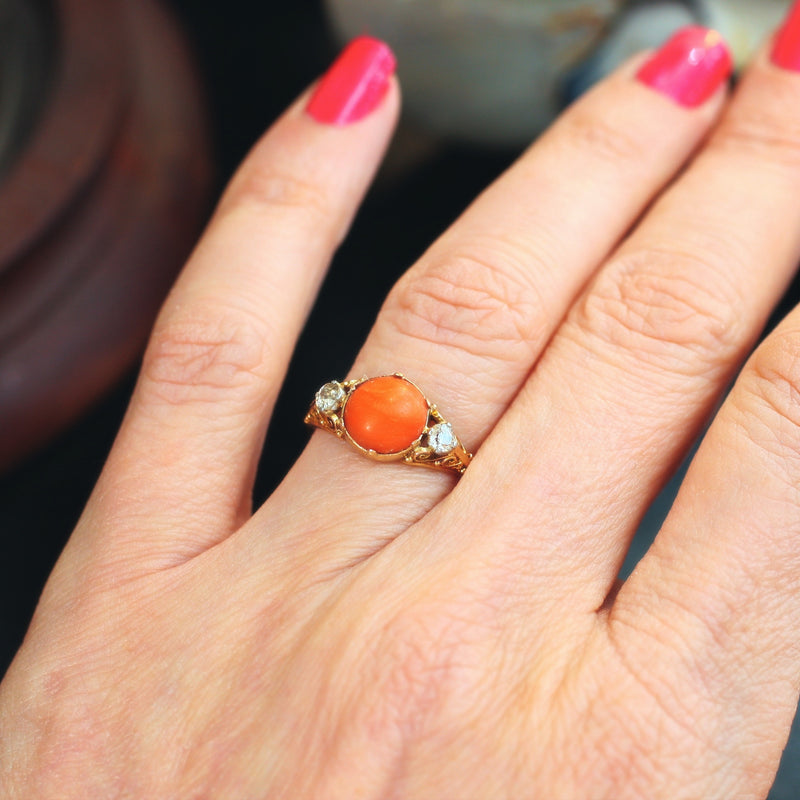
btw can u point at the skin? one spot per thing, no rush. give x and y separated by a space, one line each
460 640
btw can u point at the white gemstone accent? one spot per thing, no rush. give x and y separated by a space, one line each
442 439
330 397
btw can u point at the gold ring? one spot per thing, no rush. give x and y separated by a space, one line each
388 418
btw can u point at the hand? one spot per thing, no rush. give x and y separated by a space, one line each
377 630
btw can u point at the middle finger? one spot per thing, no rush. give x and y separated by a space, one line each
637 366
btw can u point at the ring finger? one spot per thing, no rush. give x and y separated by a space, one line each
470 319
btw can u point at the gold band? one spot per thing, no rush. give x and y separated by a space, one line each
431 441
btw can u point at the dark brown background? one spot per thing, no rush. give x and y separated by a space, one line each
253 59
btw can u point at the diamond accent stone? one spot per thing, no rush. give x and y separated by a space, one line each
442 439
330 397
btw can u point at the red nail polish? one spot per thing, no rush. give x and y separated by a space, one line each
786 47
355 84
690 67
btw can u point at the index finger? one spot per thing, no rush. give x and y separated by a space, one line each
182 466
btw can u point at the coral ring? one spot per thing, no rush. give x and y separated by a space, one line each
389 419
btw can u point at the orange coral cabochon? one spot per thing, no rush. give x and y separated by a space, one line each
386 414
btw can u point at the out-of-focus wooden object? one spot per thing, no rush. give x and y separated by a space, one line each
98 209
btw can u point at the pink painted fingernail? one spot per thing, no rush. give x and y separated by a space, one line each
355 84
690 67
786 47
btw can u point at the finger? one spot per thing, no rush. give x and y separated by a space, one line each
715 603
638 365
468 321
185 457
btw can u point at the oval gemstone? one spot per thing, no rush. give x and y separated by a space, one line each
386 414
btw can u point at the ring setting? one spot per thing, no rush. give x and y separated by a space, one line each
388 418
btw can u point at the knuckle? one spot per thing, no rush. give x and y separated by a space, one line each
768 133
630 753
419 661
200 357
767 397
485 307
669 309
588 130
617 761
268 189
646 718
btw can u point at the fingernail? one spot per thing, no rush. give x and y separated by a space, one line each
690 67
786 47
355 84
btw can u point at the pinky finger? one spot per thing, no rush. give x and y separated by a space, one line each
715 603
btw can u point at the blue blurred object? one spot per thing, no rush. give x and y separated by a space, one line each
497 71
643 26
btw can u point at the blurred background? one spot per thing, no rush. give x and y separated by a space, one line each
121 121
